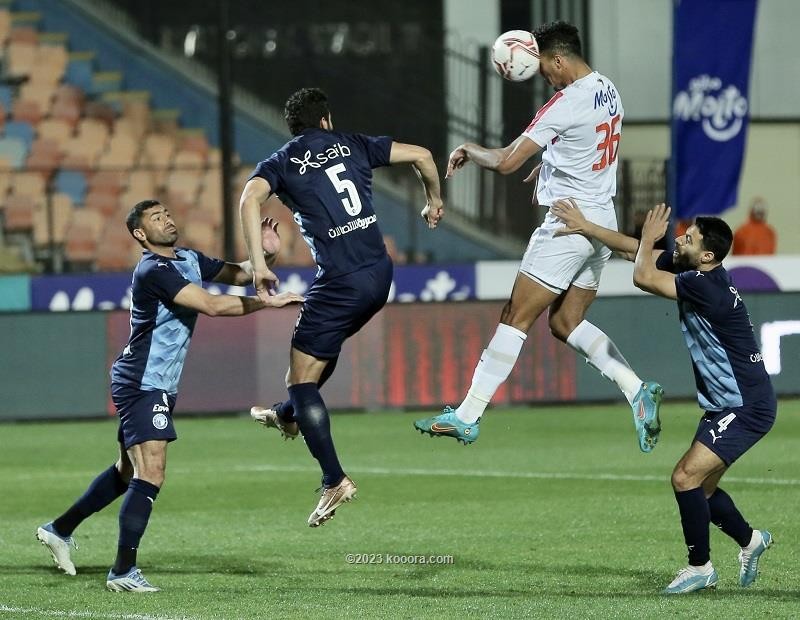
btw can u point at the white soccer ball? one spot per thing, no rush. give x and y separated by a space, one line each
516 55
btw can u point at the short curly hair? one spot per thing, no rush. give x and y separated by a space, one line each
305 108
558 38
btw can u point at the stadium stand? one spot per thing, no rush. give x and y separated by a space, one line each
77 150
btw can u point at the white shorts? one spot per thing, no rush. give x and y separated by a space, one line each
559 262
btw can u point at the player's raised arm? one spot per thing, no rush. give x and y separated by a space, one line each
241 274
421 160
255 193
504 160
645 273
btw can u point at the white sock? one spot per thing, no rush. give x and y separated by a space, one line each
705 569
602 353
492 370
755 540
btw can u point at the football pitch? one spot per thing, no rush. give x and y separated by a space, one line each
553 513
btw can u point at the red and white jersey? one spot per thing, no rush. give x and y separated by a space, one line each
579 129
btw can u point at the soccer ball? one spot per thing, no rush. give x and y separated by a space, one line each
516 55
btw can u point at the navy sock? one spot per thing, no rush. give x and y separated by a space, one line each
285 411
286 408
695 518
727 517
133 517
315 424
104 489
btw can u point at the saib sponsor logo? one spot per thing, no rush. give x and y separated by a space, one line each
721 110
332 152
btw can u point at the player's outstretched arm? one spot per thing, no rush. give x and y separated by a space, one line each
197 298
505 160
645 273
255 193
569 213
241 274
421 160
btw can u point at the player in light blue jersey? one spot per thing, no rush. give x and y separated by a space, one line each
733 387
166 297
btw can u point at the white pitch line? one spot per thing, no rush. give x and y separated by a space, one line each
405 471
483 473
61 613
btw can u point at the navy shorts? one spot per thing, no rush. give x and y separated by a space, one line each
732 432
336 309
143 415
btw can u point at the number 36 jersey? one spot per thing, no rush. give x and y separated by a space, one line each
325 177
579 130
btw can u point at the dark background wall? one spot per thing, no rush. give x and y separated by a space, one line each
410 356
380 62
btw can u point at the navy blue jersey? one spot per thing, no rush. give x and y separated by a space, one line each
728 366
161 329
325 177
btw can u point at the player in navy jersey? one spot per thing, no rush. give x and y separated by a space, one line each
733 387
166 297
325 177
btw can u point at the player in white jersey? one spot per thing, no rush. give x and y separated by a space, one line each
579 130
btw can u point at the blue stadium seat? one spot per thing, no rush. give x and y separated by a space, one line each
80 73
6 98
15 150
72 183
22 131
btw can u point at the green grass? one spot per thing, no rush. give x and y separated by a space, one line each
553 513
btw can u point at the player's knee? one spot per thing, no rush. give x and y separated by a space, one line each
516 317
560 327
153 471
682 480
154 476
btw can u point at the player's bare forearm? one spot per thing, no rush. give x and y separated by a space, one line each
421 160
505 160
200 300
624 245
484 157
647 276
250 215
567 211
429 176
232 305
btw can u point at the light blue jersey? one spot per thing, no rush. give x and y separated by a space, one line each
160 329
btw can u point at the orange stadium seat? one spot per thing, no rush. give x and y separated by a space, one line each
122 152
41 93
142 183
102 202
29 184
28 111
201 236
19 214
158 150
62 215
5 184
116 250
51 63
5 25
56 129
108 181
23 34
20 58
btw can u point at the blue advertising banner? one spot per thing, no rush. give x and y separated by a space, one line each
111 291
712 46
